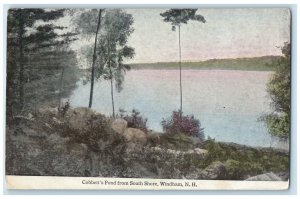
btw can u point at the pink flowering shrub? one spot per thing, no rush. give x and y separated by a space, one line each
187 125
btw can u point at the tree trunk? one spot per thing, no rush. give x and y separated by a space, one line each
21 64
180 73
112 92
60 88
94 60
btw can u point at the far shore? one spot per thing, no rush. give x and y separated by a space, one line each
264 63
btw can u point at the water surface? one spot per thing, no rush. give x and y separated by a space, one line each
227 102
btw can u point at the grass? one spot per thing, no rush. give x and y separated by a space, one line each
252 64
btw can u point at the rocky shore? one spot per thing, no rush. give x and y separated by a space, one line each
81 142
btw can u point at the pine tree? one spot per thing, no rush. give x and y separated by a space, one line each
32 39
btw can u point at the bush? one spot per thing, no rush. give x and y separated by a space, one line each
187 125
176 141
135 120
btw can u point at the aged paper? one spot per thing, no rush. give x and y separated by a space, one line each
148 99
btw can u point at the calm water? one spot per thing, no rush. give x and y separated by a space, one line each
227 103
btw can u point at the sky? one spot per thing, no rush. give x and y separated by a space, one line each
227 33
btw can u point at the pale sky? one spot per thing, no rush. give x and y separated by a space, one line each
228 33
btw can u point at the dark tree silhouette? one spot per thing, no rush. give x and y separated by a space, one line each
31 39
88 23
94 60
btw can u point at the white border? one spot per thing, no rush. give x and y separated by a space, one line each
147 2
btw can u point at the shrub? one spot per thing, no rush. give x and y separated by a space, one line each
135 120
176 141
187 125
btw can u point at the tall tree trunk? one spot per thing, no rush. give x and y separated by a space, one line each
111 79
180 73
94 60
112 92
21 64
112 97
60 88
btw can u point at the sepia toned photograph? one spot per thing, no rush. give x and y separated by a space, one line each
148 98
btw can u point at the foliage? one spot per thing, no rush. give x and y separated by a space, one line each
187 125
279 89
241 161
135 120
117 27
86 22
175 141
177 17
96 150
35 43
181 16
112 48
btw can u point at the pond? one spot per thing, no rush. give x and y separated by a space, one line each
228 103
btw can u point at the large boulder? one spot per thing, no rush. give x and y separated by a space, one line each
265 177
79 117
119 125
46 110
215 171
135 135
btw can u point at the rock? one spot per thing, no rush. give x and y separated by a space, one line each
200 151
215 171
265 177
135 138
30 116
135 135
78 117
48 111
119 125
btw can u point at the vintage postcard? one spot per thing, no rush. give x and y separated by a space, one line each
148 99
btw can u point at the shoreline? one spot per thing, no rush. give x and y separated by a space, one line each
197 69
264 63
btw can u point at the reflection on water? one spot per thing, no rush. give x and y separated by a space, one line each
227 103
